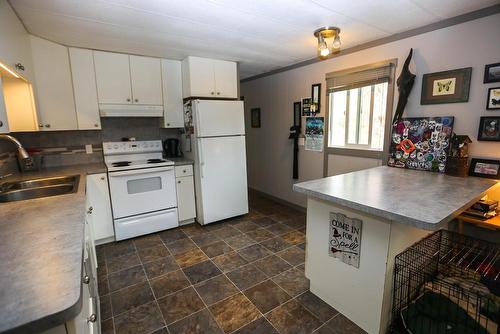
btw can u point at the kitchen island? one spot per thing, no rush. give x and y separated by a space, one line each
358 222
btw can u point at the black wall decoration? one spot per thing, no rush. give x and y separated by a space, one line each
405 84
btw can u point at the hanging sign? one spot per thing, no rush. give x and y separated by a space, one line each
345 238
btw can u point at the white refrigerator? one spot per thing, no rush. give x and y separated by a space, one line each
218 149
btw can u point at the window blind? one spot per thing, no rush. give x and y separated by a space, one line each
355 78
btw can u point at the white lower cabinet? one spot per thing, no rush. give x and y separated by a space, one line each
99 205
186 205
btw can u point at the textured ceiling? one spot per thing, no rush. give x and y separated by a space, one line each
261 35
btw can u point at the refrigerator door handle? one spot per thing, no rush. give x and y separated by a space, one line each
200 157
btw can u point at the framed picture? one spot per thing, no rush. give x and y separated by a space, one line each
306 106
485 168
297 121
493 102
489 129
492 73
255 117
315 98
446 87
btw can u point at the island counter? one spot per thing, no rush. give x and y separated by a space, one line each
358 222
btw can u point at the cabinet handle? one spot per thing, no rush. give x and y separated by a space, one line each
103 178
218 93
184 171
136 100
47 125
168 124
86 279
40 125
1 123
89 211
128 100
92 318
96 125
179 181
212 93
19 66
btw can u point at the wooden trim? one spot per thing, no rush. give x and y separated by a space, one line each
484 12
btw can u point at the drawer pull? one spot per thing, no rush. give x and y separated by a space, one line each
86 279
92 318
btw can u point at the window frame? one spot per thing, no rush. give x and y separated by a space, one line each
361 152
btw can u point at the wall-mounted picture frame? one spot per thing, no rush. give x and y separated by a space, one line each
255 117
297 109
485 168
489 129
446 87
492 73
306 106
493 102
315 98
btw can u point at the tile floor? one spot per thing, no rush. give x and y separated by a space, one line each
244 275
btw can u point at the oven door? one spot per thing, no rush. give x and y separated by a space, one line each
140 191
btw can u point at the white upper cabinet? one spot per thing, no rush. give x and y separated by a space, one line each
53 86
204 77
85 89
112 72
14 43
145 73
4 123
124 79
226 79
173 107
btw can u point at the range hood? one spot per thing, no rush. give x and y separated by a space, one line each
130 110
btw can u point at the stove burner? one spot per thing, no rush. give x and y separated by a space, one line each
155 161
121 163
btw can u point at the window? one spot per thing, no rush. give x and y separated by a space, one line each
358 108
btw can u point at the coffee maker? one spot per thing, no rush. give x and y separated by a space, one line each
172 148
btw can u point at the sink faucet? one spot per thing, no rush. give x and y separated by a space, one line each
21 152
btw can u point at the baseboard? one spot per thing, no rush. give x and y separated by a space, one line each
279 200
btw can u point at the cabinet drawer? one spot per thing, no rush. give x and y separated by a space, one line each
185 170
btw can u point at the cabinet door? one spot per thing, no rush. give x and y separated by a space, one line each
186 206
112 74
172 94
4 123
53 86
200 73
226 79
146 80
98 199
85 89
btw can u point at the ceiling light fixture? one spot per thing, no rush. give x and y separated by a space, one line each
325 35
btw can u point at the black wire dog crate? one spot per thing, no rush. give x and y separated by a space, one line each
447 283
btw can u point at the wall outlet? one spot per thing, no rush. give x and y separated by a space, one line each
88 149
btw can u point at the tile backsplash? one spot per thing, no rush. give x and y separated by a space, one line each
60 148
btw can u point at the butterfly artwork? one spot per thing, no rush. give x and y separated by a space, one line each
421 143
493 102
444 86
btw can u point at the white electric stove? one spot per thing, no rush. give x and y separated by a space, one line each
142 188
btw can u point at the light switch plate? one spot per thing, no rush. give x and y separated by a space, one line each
88 149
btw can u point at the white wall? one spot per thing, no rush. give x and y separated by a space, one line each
471 44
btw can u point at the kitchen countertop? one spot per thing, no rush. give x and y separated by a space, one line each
422 199
41 248
181 161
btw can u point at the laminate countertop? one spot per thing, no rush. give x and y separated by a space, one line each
41 253
422 199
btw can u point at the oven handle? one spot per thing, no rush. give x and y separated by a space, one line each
140 171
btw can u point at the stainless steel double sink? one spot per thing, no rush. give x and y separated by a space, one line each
38 188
